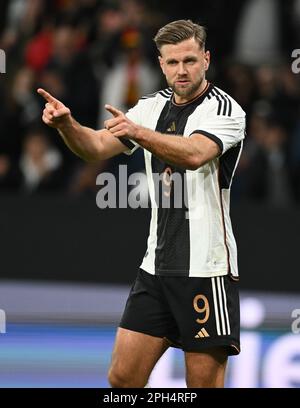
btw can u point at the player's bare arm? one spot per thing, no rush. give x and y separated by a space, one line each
188 153
89 144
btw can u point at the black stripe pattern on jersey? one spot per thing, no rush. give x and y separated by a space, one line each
166 93
228 164
224 103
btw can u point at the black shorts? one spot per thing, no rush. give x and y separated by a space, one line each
194 314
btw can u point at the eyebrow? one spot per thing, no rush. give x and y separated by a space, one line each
186 59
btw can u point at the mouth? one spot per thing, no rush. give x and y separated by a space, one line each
182 82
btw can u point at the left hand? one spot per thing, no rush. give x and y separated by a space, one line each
120 125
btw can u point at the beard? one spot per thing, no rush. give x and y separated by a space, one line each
188 91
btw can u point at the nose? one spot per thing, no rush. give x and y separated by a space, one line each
181 68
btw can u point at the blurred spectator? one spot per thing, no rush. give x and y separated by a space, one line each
40 164
39 48
19 112
24 97
265 168
110 22
257 40
123 56
131 76
23 18
73 74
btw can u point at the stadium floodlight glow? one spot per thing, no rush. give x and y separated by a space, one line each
2 62
2 322
296 62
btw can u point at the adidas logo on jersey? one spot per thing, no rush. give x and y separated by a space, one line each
172 127
201 334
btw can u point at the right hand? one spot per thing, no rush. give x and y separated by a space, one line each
55 114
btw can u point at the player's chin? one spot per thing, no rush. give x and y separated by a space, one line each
182 90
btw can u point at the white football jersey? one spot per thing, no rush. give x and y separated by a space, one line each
193 235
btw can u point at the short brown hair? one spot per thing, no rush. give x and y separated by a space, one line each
180 30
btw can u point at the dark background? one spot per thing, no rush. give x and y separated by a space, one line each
59 239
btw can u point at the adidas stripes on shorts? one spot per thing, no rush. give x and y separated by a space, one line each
193 313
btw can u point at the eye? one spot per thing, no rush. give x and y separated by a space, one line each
190 61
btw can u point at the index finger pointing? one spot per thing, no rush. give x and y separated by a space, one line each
115 112
49 98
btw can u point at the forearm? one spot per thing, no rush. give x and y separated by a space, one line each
176 150
89 144
83 141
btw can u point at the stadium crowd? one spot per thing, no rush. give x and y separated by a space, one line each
90 52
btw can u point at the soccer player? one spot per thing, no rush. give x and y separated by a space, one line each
185 294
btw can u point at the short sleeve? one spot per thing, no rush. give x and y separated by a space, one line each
226 130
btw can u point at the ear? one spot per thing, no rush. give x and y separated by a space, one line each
161 63
206 60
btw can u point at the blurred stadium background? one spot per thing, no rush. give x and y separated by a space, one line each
66 265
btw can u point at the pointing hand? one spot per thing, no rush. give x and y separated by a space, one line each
120 125
55 114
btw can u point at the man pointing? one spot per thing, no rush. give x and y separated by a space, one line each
185 294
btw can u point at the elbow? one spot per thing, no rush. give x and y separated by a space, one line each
87 158
194 162
95 157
